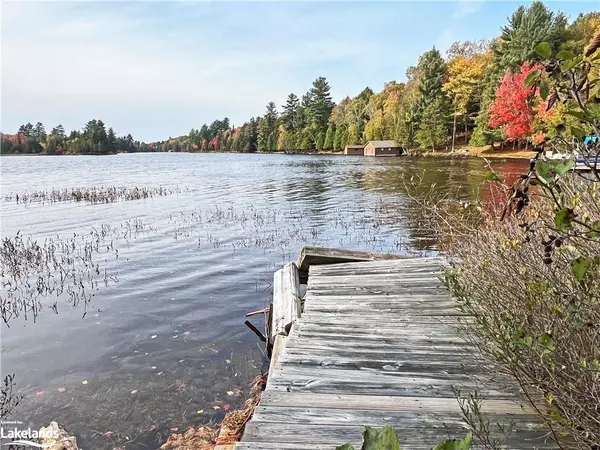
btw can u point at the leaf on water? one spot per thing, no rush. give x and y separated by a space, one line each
454 444
61 389
216 407
226 407
200 411
543 49
134 392
564 218
108 434
153 336
40 393
84 382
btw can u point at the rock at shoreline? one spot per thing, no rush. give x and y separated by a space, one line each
63 440
201 438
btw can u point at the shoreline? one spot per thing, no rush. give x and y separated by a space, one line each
469 152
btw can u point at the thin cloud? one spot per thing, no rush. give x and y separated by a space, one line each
467 8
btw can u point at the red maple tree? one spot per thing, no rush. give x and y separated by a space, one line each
512 109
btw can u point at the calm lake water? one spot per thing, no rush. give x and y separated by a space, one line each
163 340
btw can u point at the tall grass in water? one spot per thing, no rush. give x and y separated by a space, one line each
92 195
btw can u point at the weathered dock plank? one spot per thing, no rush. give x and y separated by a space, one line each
379 343
287 305
315 256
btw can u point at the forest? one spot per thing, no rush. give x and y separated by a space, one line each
474 94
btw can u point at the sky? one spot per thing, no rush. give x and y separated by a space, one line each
157 69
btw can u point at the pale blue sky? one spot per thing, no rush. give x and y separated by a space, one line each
157 69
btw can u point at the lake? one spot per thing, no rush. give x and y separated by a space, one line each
160 343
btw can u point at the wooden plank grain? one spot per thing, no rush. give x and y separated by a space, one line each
286 299
381 342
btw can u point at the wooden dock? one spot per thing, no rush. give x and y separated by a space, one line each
376 343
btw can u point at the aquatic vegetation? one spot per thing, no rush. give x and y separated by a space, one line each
93 195
31 270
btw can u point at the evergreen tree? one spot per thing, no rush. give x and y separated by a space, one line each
321 104
290 113
433 71
112 141
320 140
39 132
329 136
432 129
526 28
337 138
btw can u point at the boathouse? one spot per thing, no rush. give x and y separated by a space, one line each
354 150
382 148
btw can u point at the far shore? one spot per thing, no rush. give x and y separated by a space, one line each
462 152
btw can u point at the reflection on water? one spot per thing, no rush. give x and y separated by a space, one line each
161 348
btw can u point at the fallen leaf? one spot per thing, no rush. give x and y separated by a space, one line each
134 391
230 393
84 382
152 427
108 434
226 407
215 407
61 389
228 361
174 429
153 367
153 336
200 411
39 393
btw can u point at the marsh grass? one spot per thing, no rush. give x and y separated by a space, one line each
93 195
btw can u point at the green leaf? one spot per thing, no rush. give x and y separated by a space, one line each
580 266
491 176
386 439
568 64
544 89
345 447
563 219
564 54
579 114
577 132
596 230
547 170
532 77
463 444
562 167
543 49
546 341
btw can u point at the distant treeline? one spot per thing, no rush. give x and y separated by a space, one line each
445 96
473 94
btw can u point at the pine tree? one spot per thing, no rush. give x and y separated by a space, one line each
290 113
321 103
432 129
111 141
